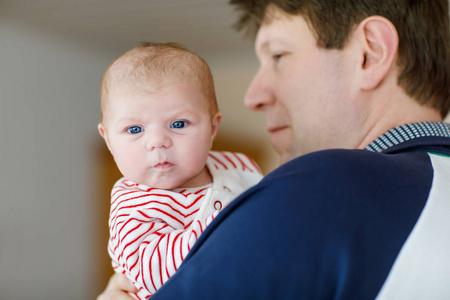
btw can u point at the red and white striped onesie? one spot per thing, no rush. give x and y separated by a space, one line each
152 230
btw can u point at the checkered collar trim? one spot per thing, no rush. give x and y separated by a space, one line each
408 132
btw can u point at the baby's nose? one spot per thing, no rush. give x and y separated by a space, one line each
158 139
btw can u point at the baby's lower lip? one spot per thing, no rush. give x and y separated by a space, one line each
163 166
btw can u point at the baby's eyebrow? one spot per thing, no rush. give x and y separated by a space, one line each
128 120
181 113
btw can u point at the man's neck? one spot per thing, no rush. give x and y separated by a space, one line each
394 111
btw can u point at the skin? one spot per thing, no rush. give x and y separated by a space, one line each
317 99
150 135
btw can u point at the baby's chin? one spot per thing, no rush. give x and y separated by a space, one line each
163 186
172 179
168 184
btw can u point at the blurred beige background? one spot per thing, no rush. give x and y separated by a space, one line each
56 173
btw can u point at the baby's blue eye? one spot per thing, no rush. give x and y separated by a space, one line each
135 129
179 124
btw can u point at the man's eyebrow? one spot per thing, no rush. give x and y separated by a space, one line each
270 41
263 47
265 44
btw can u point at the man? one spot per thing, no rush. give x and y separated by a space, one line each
335 223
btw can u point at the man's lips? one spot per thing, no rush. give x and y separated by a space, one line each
274 129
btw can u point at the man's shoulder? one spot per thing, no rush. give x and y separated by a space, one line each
351 172
337 162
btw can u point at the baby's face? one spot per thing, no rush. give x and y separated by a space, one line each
161 139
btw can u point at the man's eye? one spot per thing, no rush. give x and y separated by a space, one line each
277 57
179 124
135 129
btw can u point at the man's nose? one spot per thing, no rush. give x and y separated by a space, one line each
259 93
158 138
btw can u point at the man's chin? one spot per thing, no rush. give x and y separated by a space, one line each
289 155
285 157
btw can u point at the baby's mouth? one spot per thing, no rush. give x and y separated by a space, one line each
163 165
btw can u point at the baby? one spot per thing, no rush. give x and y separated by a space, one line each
159 120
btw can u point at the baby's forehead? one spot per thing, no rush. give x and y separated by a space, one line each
153 86
127 75
129 103
123 94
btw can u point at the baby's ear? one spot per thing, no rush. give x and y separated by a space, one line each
102 131
215 125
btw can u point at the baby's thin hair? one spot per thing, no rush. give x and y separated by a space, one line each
152 66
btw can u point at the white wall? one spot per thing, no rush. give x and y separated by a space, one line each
49 89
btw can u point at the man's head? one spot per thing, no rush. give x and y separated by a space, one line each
321 59
160 116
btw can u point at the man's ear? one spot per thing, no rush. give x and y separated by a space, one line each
102 131
378 39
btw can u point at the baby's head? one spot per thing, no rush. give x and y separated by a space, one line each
160 115
154 66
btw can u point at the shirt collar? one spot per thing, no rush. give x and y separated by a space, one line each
409 132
